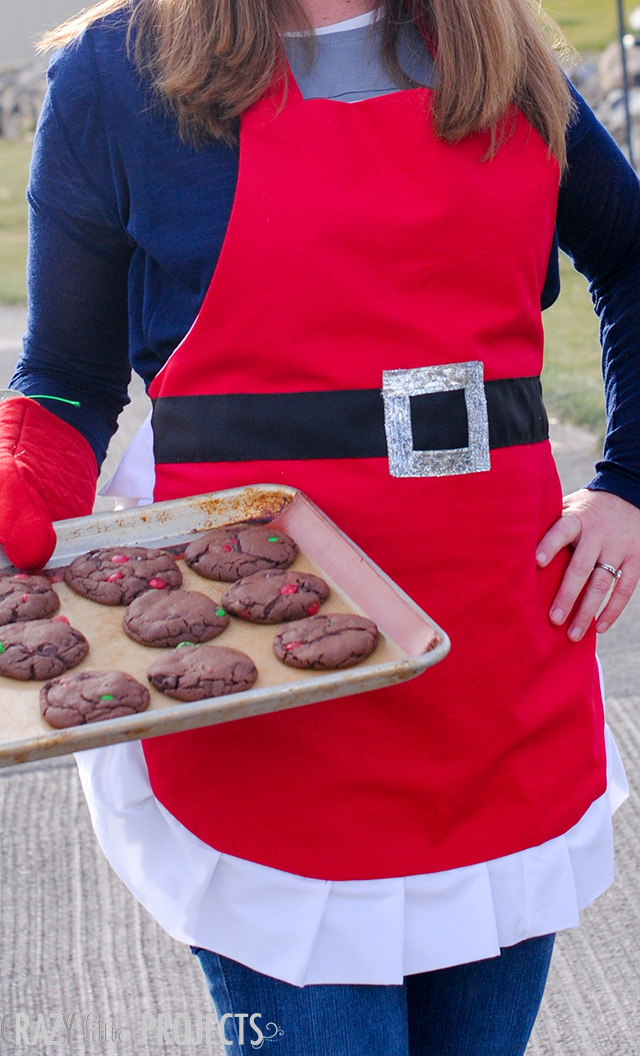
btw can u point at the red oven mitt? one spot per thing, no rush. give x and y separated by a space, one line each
48 472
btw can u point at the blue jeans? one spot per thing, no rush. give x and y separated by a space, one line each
486 1008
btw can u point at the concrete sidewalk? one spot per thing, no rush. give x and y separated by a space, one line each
74 941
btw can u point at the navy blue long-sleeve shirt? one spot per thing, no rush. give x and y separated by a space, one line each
127 222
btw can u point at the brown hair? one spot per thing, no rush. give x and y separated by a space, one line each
209 60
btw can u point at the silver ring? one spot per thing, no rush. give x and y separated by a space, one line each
615 572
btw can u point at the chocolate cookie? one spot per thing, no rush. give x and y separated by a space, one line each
196 672
326 642
240 550
117 575
40 649
90 696
163 619
25 597
273 597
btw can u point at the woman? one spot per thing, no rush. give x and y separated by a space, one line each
383 874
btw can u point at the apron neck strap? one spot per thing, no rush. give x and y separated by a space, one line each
284 87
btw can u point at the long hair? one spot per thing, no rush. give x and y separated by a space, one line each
210 60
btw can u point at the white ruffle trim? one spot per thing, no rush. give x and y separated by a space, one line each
356 931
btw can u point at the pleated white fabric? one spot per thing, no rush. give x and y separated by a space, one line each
307 931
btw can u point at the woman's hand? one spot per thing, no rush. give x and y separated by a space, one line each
599 526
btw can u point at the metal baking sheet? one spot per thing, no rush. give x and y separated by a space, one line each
410 640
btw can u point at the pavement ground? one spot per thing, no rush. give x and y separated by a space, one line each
75 941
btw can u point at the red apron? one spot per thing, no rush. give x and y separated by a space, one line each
362 250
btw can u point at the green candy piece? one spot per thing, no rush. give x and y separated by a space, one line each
1 648
108 696
220 612
181 645
272 539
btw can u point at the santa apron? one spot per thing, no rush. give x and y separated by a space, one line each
372 336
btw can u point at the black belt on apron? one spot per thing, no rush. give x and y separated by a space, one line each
244 427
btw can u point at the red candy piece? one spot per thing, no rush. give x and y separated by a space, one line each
115 575
292 645
119 559
289 588
313 608
25 597
227 549
157 584
61 619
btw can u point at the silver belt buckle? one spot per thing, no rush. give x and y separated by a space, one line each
397 388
